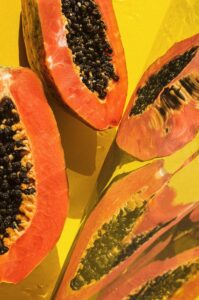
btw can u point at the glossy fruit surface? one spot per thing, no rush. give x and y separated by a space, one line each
169 269
34 190
163 113
133 212
76 50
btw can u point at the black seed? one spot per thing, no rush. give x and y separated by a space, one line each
29 191
148 93
7 103
162 111
166 285
12 173
28 166
16 166
169 99
3 249
4 185
3 204
2 150
86 38
110 236
10 147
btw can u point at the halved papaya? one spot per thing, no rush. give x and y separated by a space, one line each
33 189
168 270
163 113
134 211
76 49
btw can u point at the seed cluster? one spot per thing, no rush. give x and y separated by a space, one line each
147 94
165 286
173 97
90 48
13 176
103 255
191 85
140 240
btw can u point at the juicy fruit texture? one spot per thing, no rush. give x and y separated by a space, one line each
33 192
112 236
79 55
163 113
91 51
17 174
167 270
147 94
109 250
109 240
165 286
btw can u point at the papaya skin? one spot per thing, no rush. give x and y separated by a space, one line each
49 55
162 129
154 264
148 185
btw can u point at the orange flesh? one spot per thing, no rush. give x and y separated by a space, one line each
148 135
149 266
130 282
51 183
147 183
99 114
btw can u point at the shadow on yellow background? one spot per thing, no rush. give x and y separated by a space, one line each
147 30
38 285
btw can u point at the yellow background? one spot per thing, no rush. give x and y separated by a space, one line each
148 28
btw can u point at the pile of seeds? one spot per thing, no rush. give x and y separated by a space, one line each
14 180
152 88
103 255
90 48
165 286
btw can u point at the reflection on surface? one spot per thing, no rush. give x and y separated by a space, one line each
180 21
177 246
38 285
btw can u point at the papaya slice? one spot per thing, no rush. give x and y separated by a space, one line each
33 189
76 49
163 113
132 213
169 270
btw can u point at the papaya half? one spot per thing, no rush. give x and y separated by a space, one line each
163 113
133 212
169 270
33 188
76 49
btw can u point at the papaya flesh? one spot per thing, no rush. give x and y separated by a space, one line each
163 113
167 270
33 189
75 48
132 213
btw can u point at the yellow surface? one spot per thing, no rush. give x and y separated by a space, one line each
148 28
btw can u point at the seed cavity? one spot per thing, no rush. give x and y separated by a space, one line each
17 178
191 85
110 246
165 286
147 94
91 50
170 99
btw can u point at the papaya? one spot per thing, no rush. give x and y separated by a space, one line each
33 189
168 270
133 212
163 113
75 47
